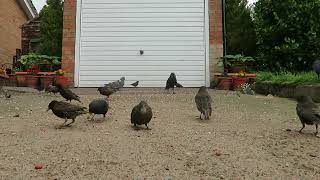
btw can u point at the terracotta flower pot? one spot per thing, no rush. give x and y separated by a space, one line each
32 81
62 80
21 79
46 81
238 81
224 83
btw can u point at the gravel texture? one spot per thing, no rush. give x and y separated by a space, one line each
247 137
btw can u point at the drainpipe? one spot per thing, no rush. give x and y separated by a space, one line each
224 27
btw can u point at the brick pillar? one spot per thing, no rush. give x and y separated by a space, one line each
69 38
216 35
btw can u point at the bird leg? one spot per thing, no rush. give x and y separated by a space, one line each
147 127
92 118
62 125
69 124
200 116
173 91
316 129
302 128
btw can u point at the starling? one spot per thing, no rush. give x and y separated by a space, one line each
106 91
135 84
316 67
121 82
52 89
179 85
141 114
68 94
66 111
203 101
171 82
308 112
98 106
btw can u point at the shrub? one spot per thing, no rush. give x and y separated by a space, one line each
288 77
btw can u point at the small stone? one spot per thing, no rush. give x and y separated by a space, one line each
167 169
288 130
221 176
313 155
287 164
17 115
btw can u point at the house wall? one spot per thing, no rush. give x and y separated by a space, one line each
11 18
69 35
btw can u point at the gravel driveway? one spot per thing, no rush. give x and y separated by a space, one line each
247 137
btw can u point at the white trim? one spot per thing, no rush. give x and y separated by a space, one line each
207 42
27 9
77 44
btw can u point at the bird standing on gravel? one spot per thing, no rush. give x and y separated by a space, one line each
171 82
308 112
106 91
116 84
316 67
141 114
203 101
68 94
52 89
135 84
98 106
66 111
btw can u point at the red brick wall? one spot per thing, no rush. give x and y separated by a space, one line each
69 32
11 18
69 37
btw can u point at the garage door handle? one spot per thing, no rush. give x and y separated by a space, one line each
141 52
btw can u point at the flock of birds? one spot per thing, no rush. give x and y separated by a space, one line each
141 114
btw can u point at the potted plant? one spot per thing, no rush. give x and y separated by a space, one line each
32 79
239 80
224 81
236 63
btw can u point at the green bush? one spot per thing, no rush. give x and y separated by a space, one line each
288 77
287 34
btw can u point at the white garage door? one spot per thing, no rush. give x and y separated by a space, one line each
171 34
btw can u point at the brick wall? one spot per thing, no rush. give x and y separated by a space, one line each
68 50
11 18
69 37
216 35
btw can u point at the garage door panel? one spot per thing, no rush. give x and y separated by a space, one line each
146 48
141 20
144 24
142 58
141 68
170 32
142 10
141 78
140 1
143 63
118 74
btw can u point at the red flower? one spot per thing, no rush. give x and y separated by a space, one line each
35 66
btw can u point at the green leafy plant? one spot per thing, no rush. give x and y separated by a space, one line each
234 60
27 61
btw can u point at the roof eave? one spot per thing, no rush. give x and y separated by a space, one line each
27 8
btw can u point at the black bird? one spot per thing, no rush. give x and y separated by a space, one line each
66 111
308 112
68 94
316 67
52 89
141 114
98 106
106 91
171 82
135 84
203 101
179 85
